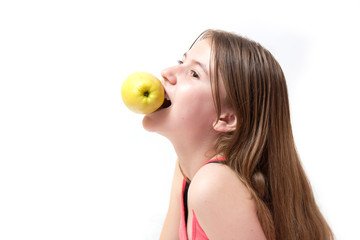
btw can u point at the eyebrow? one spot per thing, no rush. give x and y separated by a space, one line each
198 63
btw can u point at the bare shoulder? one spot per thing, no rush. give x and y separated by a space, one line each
223 205
218 177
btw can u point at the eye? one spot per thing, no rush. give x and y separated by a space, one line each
194 74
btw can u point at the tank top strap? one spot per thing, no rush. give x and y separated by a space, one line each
215 160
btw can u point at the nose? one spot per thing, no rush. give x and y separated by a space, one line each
169 75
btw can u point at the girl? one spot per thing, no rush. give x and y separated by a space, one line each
238 175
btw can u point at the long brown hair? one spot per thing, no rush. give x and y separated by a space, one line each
262 150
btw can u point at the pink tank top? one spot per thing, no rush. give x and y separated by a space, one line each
197 232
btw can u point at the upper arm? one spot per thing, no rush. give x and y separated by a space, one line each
170 230
223 205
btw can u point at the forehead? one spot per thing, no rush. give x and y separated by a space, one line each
200 52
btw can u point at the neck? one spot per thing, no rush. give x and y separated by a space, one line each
193 146
193 155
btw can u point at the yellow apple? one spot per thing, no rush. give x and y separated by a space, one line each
142 92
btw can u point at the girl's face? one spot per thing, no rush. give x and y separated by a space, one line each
192 112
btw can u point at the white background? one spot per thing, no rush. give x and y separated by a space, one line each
76 164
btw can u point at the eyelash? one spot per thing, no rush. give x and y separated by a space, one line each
193 73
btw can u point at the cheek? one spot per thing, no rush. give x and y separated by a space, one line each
192 110
197 106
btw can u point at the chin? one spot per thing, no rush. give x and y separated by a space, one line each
154 124
156 121
148 124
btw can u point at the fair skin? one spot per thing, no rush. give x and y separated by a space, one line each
222 204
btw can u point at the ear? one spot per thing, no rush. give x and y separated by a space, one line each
227 122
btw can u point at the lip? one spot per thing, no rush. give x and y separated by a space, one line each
166 95
167 100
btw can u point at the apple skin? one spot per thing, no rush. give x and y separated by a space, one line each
142 92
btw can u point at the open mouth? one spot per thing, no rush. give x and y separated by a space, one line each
167 102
